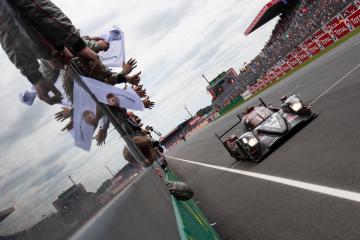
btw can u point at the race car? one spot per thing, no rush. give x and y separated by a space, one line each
264 126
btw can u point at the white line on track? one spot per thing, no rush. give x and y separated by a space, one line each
336 83
235 164
335 192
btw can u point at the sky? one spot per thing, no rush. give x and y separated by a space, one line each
174 42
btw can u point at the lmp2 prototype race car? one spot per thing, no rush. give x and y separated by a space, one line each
264 127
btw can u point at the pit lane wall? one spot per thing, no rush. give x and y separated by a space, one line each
192 223
337 28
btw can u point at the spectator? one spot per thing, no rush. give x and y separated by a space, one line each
21 24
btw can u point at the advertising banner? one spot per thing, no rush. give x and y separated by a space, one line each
355 18
293 62
289 56
271 76
333 22
314 48
340 30
303 56
266 80
285 68
278 72
349 10
318 33
326 40
307 42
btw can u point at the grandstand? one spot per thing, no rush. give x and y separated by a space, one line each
293 41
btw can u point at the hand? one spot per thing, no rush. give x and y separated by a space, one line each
43 88
104 45
147 103
141 93
129 66
95 38
135 79
100 137
65 56
63 114
89 57
68 126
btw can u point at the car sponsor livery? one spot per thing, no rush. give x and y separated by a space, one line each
263 126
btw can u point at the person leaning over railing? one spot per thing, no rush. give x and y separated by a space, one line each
35 29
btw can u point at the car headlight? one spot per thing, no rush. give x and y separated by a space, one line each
251 141
296 106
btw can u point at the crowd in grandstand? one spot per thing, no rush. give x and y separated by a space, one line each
294 26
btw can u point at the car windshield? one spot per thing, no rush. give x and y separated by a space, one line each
256 117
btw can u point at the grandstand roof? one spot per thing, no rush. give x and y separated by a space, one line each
268 12
175 131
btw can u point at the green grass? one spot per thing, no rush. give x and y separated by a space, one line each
347 37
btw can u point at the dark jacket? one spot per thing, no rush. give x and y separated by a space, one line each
33 29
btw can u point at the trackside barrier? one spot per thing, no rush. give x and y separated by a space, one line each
338 27
192 223
231 105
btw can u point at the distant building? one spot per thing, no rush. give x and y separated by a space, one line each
175 135
224 86
75 203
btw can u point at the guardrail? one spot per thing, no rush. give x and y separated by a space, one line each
192 224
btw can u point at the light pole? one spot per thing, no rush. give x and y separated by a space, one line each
205 79
72 180
109 170
188 112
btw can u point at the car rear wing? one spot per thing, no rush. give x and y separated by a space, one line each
228 130
240 116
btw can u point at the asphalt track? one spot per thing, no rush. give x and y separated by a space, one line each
326 152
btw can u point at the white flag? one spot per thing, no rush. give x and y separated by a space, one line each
111 95
84 120
115 55
28 97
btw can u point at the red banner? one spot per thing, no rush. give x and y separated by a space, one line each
295 52
293 62
288 56
340 30
303 56
266 80
252 90
271 76
307 42
355 18
314 48
349 10
278 72
326 40
285 68
319 33
262 84
333 22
